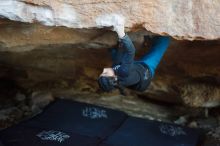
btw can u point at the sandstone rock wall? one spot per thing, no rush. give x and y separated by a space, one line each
183 19
36 57
19 37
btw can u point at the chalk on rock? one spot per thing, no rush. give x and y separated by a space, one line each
109 20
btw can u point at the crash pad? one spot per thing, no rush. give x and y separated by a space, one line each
81 118
140 132
30 136
71 123
65 123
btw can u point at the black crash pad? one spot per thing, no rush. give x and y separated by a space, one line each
23 136
81 118
65 123
140 132
75 123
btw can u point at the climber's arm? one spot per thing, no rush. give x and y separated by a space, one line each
127 58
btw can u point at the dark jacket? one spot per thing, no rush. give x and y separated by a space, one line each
131 74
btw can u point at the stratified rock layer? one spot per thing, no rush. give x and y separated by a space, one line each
188 19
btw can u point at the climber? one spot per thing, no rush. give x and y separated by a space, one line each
125 72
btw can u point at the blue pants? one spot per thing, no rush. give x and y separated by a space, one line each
151 58
154 55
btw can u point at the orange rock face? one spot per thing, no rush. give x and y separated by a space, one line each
188 19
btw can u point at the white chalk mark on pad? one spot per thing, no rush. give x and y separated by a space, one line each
53 136
171 130
94 113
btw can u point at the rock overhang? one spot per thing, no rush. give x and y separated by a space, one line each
189 19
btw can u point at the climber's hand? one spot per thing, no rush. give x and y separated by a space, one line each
112 20
119 26
108 72
120 30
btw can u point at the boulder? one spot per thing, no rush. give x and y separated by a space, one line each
188 19
40 57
